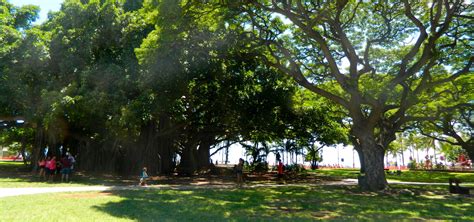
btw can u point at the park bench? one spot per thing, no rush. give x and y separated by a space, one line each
455 188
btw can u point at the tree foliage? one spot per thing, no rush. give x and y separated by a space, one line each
125 84
379 60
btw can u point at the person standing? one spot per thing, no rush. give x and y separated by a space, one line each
71 159
42 166
51 166
239 172
66 169
280 170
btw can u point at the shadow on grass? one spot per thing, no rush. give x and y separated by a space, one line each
17 175
287 203
14 174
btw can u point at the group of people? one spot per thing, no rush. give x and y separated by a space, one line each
464 161
49 166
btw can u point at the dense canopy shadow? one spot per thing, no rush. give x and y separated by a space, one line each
289 203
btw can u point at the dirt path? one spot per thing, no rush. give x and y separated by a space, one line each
6 192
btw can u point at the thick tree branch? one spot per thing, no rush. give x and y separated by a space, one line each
439 138
295 19
421 38
429 50
223 147
295 72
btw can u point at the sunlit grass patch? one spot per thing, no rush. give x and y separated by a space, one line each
407 176
263 203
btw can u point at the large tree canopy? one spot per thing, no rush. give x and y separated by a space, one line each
133 83
126 84
379 60
13 23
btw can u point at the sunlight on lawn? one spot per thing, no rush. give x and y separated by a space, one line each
282 203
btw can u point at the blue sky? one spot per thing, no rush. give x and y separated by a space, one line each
45 5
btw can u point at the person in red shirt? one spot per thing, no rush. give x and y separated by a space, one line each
280 169
461 158
51 166
66 168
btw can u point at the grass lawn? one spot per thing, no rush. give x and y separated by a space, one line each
16 175
411 176
283 203
291 203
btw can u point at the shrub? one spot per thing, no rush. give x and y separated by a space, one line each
257 167
440 166
294 168
412 165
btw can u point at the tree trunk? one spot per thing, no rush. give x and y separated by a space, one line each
188 164
37 145
227 153
150 154
373 157
86 155
165 154
296 157
283 156
23 151
417 156
469 147
204 155
166 149
362 161
110 153
358 148
403 158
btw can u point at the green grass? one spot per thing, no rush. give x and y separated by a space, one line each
432 176
409 176
300 203
76 180
8 166
16 175
336 173
22 182
10 163
281 204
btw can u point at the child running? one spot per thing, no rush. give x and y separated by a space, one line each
143 177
